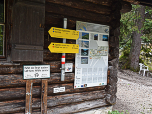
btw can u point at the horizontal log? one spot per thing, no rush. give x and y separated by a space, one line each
56 20
48 56
13 80
54 68
83 5
102 2
77 107
111 99
19 105
10 69
19 93
56 65
77 13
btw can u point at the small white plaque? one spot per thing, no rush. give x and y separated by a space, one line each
56 90
36 71
68 67
62 89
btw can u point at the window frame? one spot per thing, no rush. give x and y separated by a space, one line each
4 33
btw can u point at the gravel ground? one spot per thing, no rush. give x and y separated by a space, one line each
134 93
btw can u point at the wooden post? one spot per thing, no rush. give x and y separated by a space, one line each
28 107
44 96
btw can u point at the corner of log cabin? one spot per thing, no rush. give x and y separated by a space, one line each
50 13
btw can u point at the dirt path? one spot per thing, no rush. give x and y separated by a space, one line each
134 93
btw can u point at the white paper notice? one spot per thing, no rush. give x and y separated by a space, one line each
92 60
36 71
68 67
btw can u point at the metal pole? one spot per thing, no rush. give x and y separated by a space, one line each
63 54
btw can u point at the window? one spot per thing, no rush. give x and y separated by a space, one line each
2 27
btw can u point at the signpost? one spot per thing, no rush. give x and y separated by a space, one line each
63 33
63 48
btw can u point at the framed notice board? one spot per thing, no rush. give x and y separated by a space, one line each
91 63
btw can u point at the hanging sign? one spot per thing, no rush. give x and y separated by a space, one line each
63 48
36 71
63 33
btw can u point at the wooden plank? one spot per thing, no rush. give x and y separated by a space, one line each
44 88
28 105
16 80
83 5
68 11
19 93
18 105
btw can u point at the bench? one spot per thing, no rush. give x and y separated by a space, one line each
143 68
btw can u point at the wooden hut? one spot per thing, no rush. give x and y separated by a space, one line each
26 40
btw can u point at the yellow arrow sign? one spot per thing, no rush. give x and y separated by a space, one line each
63 48
63 33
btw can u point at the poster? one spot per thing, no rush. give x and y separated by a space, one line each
91 63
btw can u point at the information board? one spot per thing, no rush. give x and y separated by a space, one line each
36 71
91 63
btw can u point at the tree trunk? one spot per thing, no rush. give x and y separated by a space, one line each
136 41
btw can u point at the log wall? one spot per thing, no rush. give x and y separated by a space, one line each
12 85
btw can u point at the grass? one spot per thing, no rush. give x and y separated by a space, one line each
117 112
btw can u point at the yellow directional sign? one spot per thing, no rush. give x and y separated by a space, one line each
63 48
63 33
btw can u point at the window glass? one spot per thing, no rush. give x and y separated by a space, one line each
1 11
1 39
2 26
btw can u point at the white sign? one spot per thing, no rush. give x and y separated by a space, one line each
60 89
91 63
36 71
68 67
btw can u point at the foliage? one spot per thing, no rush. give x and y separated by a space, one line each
128 26
117 112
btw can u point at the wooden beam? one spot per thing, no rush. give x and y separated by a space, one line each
48 56
83 5
68 11
16 80
19 93
77 107
28 105
44 88
19 105
102 2
54 67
